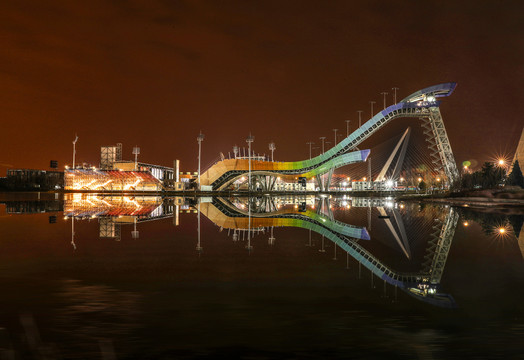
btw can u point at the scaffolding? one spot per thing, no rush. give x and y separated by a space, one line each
109 155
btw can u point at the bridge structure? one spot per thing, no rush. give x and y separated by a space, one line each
423 285
423 104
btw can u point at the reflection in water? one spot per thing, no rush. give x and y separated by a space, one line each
424 284
93 315
158 289
245 218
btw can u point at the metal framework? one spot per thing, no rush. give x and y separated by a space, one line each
109 155
421 104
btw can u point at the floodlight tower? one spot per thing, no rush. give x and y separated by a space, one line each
322 138
249 140
235 151
200 138
335 130
74 150
136 151
347 127
372 102
310 143
394 94
359 118
272 147
384 93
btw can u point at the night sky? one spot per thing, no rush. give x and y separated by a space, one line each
155 73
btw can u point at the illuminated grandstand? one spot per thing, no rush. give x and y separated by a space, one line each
110 180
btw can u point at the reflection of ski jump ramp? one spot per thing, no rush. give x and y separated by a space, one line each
423 285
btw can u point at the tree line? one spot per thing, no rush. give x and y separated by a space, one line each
491 176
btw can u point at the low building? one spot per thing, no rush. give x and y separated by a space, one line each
31 179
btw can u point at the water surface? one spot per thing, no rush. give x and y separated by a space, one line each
130 277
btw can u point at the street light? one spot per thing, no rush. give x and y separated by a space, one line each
249 140
384 93
394 94
359 118
310 143
322 138
200 138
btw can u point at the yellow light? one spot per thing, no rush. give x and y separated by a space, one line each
364 178
419 179
438 179
502 230
466 223
402 206
501 162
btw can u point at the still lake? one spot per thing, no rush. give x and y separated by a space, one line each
127 277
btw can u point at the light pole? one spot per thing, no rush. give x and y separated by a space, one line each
200 138
136 151
272 147
335 130
199 246
235 151
310 143
347 127
360 118
249 140
395 94
372 102
322 138
384 93
74 150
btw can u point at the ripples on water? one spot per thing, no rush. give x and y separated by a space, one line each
256 285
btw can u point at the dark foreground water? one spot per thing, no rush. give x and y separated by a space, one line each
374 279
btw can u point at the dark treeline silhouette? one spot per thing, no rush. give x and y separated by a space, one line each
491 176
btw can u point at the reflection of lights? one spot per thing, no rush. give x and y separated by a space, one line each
466 224
401 179
419 179
438 179
502 230
344 203
389 183
402 206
